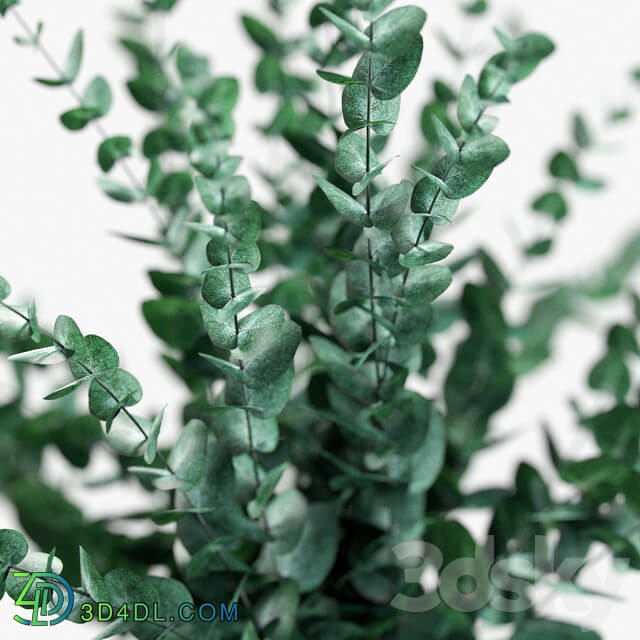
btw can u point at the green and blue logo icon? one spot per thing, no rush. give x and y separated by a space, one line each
47 593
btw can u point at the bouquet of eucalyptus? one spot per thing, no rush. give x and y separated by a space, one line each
312 485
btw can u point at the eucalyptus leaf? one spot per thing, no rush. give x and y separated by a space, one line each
187 458
310 561
552 203
389 205
5 289
256 507
361 186
348 30
71 65
112 150
264 37
120 192
355 100
119 387
351 156
92 580
425 284
44 356
13 547
350 208
396 27
389 76
469 106
446 139
5 5
336 78
152 435
425 253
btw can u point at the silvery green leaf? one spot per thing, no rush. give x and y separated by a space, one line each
122 388
428 459
351 154
446 139
124 436
73 385
91 579
13 547
5 289
425 284
350 208
256 507
44 356
389 205
152 435
361 186
71 65
336 78
187 458
355 99
395 28
469 106
425 253
349 31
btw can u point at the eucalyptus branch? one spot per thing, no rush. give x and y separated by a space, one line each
69 348
97 125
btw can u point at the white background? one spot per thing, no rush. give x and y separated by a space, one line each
55 224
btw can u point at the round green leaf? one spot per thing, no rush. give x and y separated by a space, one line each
395 28
67 333
351 157
13 547
122 385
427 198
310 561
124 436
552 203
175 320
5 289
389 76
113 149
425 284
187 458
426 253
354 109
388 205
276 358
349 207
99 356
231 427
562 165
91 579
260 33
97 96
